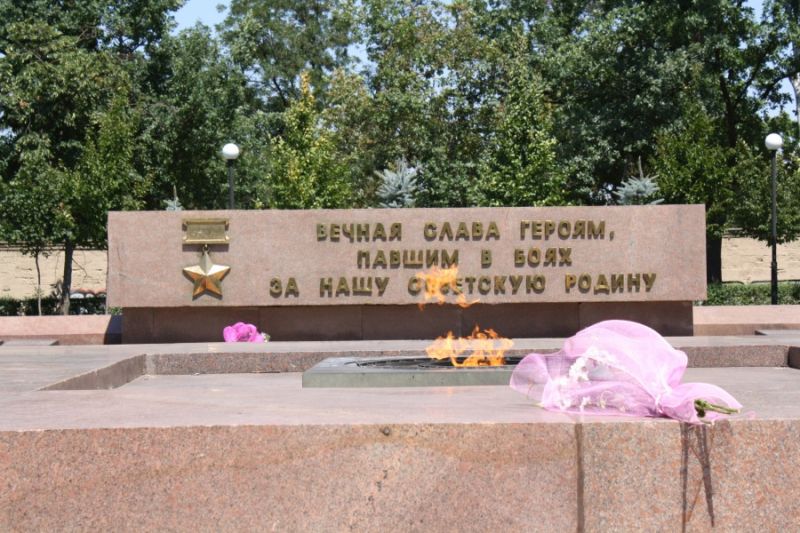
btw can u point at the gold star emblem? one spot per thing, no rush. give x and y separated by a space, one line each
207 276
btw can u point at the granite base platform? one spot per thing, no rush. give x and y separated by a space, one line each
177 449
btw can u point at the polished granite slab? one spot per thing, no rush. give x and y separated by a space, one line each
177 450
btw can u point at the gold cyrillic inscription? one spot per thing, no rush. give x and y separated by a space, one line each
609 284
460 231
552 257
359 232
565 229
276 288
353 286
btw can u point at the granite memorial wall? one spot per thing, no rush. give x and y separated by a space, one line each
362 274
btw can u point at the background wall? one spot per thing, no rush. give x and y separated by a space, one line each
748 260
18 272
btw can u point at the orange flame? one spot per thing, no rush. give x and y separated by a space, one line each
438 283
481 348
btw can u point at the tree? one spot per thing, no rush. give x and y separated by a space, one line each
408 116
105 178
736 73
196 102
51 91
519 165
620 75
30 212
613 75
65 95
638 191
277 40
753 209
783 19
398 187
464 102
694 165
305 171
496 102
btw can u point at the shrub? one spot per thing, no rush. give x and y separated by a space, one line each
752 294
27 306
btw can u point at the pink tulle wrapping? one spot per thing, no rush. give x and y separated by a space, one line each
241 332
617 367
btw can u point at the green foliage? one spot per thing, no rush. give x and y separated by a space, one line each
31 212
105 178
753 210
51 87
278 41
198 103
638 191
305 171
398 188
407 96
613 70
126 26
72 154
695 167
67 76
752 294
50 306
518 167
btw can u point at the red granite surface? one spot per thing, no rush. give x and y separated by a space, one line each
258 452
66 330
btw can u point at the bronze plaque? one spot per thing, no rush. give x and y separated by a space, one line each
206 231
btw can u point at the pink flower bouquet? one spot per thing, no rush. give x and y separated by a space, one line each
620 368
241 332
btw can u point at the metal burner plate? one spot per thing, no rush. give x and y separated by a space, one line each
347 372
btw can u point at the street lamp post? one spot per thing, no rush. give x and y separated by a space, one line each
773 142
229 153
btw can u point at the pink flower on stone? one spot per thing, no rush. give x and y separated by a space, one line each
241 332
618 367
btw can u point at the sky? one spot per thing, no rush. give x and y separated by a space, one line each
204 11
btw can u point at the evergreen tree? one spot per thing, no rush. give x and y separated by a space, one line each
398 188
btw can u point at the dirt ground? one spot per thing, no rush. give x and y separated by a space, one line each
743 260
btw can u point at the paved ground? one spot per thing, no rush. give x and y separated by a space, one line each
268 397
170 450
279 399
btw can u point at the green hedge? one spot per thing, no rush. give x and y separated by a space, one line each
752 294
27 307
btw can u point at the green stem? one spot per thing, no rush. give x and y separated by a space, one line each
702 406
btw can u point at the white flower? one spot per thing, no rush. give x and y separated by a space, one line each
603 356
578 371
584 402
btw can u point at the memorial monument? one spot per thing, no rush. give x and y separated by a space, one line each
225 435
360 274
